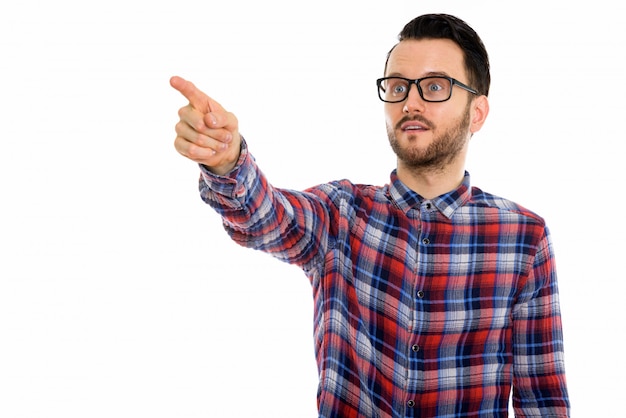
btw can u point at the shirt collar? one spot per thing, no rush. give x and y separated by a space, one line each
406 199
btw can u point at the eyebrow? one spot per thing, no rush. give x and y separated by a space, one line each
428 74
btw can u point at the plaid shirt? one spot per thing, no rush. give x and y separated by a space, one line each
423 308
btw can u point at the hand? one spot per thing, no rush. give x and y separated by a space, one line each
206 133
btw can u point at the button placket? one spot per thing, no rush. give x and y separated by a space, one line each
427 207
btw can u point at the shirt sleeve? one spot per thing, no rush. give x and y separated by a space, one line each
539 385
290 225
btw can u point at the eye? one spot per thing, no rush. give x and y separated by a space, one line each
435 86
397 87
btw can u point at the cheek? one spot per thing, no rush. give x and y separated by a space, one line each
392 115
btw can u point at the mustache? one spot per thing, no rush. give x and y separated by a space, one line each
417 118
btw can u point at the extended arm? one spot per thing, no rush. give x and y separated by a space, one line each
292 226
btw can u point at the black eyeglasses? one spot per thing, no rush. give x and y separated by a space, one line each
431 89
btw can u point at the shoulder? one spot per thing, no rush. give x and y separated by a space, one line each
346 190
503 206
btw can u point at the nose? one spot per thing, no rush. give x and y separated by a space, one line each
413 101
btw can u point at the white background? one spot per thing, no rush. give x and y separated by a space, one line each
121 295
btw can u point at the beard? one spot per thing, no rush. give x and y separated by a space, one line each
443 149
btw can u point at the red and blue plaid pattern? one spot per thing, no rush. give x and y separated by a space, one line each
423 308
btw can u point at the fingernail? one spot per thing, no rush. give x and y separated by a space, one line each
213 120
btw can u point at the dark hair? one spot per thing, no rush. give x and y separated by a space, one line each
443 26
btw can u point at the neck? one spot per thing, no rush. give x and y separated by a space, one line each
432 182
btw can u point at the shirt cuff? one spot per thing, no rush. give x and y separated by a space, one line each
226 184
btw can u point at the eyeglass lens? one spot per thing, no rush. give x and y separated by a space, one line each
433 89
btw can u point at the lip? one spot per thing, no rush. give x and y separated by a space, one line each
413 126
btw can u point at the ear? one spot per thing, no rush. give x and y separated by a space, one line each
480 110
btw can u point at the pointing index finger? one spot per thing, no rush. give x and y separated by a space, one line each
197 99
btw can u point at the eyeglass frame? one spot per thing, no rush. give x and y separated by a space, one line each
453 82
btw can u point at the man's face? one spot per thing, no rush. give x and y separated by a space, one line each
426 135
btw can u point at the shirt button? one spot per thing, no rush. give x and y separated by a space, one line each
420 294
426 241
415 348
411 403
429 206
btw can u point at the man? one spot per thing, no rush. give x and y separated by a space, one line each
432 297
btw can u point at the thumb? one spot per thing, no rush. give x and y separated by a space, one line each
197 99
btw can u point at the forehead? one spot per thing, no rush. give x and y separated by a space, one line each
416 58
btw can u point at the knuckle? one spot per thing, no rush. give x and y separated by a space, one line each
198 126
197 153
192 152
201 140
